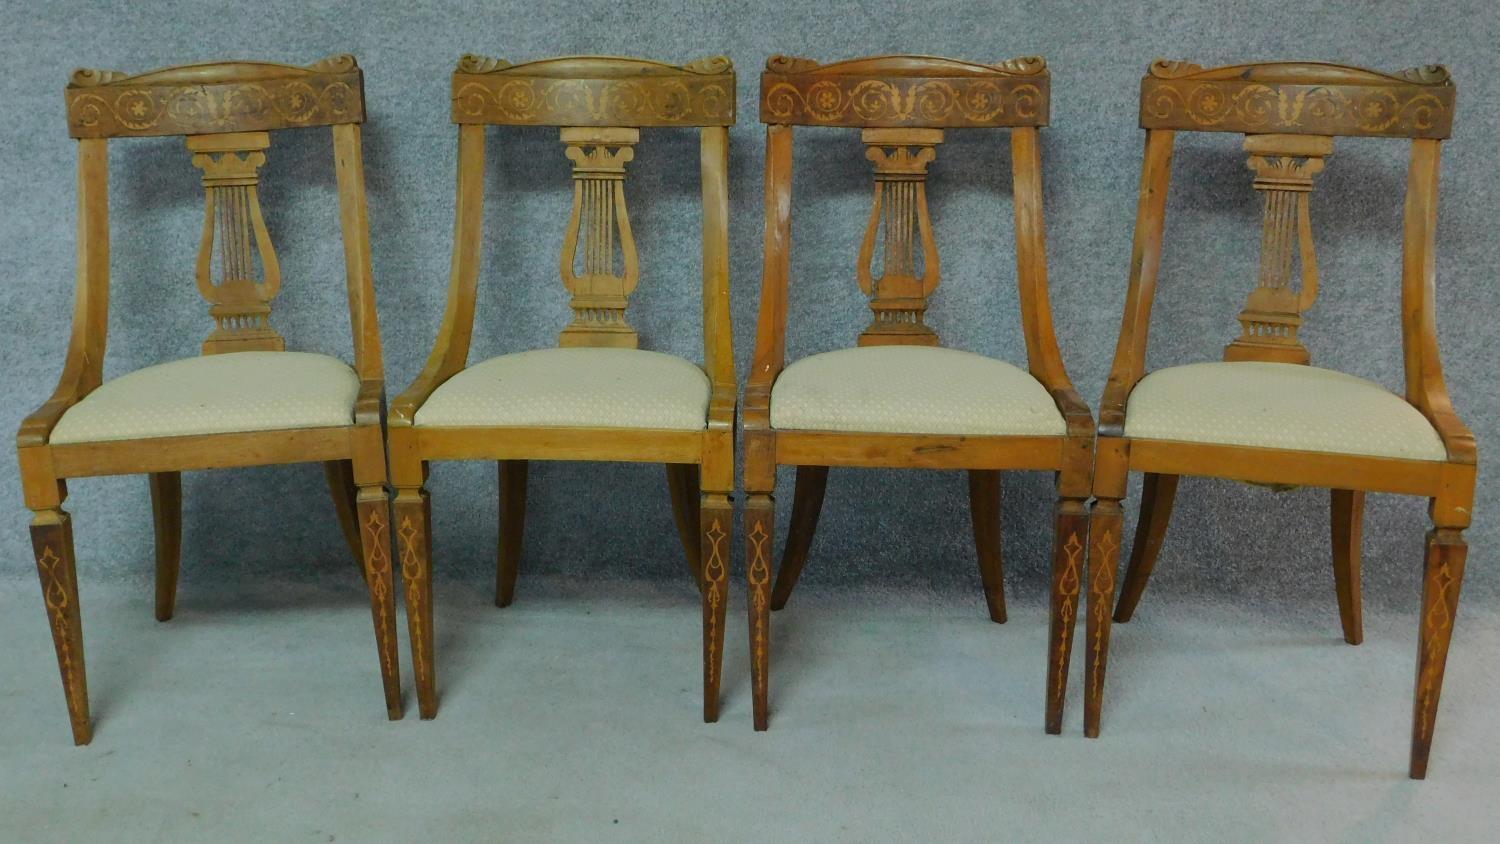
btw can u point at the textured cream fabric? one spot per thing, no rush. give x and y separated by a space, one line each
912 390
1279 405
216 394
574 387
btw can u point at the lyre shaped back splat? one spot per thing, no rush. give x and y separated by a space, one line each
239 303
600 294
898 216
1284 167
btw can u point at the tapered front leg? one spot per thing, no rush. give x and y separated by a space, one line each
512 524
1105 520
1347 517
1069 542
1441 581
760 525
52 541
373 512
166 517
414 529
716 515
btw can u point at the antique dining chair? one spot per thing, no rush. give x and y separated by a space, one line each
899 400
246 401
1263 414
598 396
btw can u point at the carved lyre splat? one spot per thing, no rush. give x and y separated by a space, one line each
240 302
909 267
1284 167
600 292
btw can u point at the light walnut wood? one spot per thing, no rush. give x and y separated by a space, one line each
1158 492
599 104
513 474
166 516
904 104
807 504
227 111
1291 112
1346 523
341 487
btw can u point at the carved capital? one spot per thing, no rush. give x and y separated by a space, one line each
240 298
909 267
1284 167
600 279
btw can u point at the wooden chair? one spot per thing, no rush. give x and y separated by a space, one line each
246 402
1263 415
597 397
897 400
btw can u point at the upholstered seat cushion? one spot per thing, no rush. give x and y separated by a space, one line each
912 390
215 394
574 387
1279 405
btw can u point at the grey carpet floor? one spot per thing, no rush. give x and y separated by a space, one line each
574 716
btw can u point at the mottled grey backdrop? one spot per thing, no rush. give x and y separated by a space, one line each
905 530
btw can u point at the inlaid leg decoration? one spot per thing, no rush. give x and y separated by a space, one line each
512 525
984 507
166 514
1069 545
1348 518
373 511
52 540
413 528
1444 575
1157 495
760 525
807 503
341 487
682 483
1105 521
716 517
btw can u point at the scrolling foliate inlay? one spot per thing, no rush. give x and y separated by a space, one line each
1292 98
227 97
1284 167
909 267
587 91
878 93
240 300
602 290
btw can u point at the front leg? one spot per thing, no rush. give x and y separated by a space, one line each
760 525
414 528
373 509
1105 520
1443 576
52 540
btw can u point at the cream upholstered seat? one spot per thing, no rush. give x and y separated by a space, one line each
1278 405
912 390
573 387
215 394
